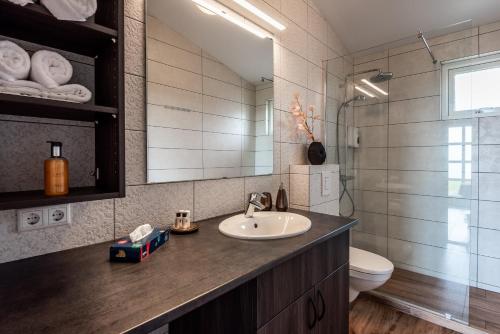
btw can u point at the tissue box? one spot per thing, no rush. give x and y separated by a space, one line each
125 250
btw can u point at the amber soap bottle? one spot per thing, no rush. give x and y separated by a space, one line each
56 172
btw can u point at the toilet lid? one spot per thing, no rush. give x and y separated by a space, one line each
369 263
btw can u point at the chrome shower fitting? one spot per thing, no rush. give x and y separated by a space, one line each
421 36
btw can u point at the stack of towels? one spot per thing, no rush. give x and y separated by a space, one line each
71 10
49 73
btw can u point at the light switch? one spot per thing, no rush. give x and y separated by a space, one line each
326 183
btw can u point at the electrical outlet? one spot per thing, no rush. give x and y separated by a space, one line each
30 219
36 218
58 215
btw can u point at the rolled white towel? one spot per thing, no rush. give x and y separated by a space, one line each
71 10
71 93
21 2
14 62
22 87
50 69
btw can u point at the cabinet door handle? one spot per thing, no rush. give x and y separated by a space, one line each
311 323
323 306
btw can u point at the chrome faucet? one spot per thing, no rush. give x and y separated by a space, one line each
254 203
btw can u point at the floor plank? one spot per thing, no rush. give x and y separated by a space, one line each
368 316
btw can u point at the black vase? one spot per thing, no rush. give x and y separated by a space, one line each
316 153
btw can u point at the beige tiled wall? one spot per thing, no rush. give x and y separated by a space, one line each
408 212
298 52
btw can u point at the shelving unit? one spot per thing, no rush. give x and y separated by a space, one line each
101 37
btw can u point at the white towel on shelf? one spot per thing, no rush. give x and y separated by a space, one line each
50 69
14 62
71 10
21 2
22 87
70 93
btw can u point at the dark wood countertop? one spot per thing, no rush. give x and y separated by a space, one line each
80 291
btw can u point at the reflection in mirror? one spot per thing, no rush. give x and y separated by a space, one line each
209 95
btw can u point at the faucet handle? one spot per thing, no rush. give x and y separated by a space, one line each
256 196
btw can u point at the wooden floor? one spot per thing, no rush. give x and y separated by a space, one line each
432 293
478 307
369 316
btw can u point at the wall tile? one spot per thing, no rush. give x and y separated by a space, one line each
438 209
488 243
370 158
374 180
173 97
135 117
229 192
135 157
489 185
220 72
489 42
176 119
316 25
221 89
159 31
294 38
174 77
375 114
489 215
373 136
295 10
134 47
489 270
415 86
429 133
431 184
489 130
372 223
149 204
370 201
167 54
415 110
294 68
430 158
135 9
489 158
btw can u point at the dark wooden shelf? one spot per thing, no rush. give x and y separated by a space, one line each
101 37
37 107
85 38
26 199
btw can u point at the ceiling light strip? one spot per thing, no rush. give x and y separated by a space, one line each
364 91
251 8
381 91
233 17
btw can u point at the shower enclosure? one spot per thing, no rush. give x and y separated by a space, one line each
412 179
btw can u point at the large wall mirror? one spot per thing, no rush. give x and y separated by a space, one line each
209 95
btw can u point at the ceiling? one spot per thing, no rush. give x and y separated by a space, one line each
248 55
362 24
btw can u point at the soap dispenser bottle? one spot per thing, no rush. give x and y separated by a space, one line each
56 172
281 199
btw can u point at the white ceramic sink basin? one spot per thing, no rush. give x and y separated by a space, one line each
265 225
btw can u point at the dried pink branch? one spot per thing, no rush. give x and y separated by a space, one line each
301 116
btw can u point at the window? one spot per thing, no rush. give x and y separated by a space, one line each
471 87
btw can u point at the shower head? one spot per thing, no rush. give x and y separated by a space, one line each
381 77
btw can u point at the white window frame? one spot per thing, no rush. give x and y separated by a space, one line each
447 82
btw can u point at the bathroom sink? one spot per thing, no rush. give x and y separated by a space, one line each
265 225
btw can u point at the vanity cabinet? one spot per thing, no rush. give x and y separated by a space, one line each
308 293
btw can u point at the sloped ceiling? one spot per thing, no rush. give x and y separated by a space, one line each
362 24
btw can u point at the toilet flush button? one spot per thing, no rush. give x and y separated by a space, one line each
326 184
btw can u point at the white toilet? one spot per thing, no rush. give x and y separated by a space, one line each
367 271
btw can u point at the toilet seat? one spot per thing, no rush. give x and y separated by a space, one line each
368 265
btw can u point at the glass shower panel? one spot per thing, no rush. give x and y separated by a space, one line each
413 179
